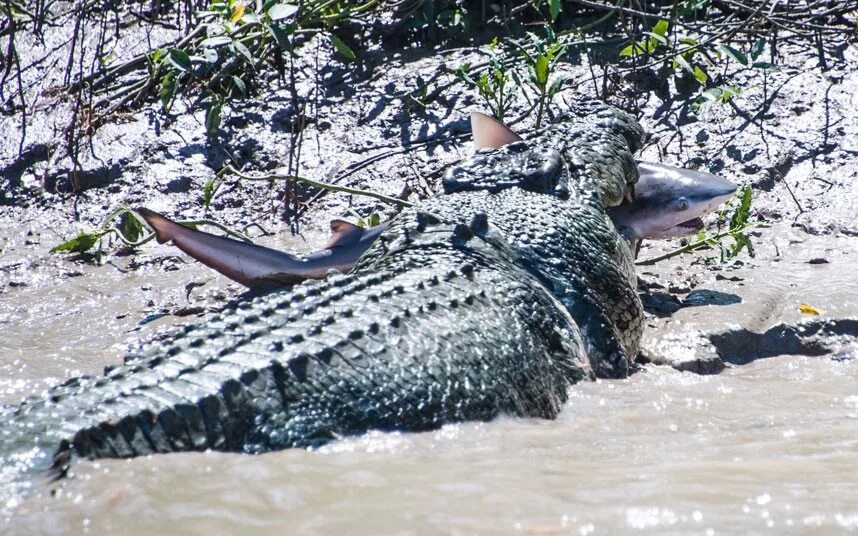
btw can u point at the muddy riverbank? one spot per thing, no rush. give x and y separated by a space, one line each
767 443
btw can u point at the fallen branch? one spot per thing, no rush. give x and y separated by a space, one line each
318 184
693 246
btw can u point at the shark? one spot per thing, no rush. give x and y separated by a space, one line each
667 202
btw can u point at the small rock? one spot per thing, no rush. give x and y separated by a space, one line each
648 284
17 284
818 260
678 288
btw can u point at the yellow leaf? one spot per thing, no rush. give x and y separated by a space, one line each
808 309
237 12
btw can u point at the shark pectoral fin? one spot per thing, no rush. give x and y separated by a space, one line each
490 133
343 233
161 225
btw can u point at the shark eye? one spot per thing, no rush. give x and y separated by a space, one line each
683 204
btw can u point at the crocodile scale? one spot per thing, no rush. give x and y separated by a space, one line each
491 298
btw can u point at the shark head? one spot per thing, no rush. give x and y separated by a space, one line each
670 201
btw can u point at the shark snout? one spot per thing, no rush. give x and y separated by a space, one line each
716 191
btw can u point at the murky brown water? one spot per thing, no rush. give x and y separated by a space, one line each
766 447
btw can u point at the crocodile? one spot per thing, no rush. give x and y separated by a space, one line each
492 298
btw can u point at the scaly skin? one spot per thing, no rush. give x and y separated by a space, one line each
493 297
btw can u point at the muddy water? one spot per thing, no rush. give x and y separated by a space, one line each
759 448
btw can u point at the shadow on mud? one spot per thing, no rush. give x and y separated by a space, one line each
816 338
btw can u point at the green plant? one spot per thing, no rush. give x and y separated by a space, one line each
693 57
129 231
657 36
735 217
723 93
494 84
540 57
433 17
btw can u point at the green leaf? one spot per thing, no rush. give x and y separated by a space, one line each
758 49
281 35
213 120
541 70
168 91
243 50
655 37
556 85
554 8
739 219
735 54
239 85
129 227
180 59
700 76
81 243
680 61
762 65
342 48
462 73
158 55
208 192
282 11
728 92
208 55
661 27
632 49
374 220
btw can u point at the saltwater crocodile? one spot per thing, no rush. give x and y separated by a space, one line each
493 297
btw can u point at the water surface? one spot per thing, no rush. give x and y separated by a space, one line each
766 447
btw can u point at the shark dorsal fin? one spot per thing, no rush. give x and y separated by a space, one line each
490 133
343 233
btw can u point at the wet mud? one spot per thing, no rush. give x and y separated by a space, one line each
764 443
